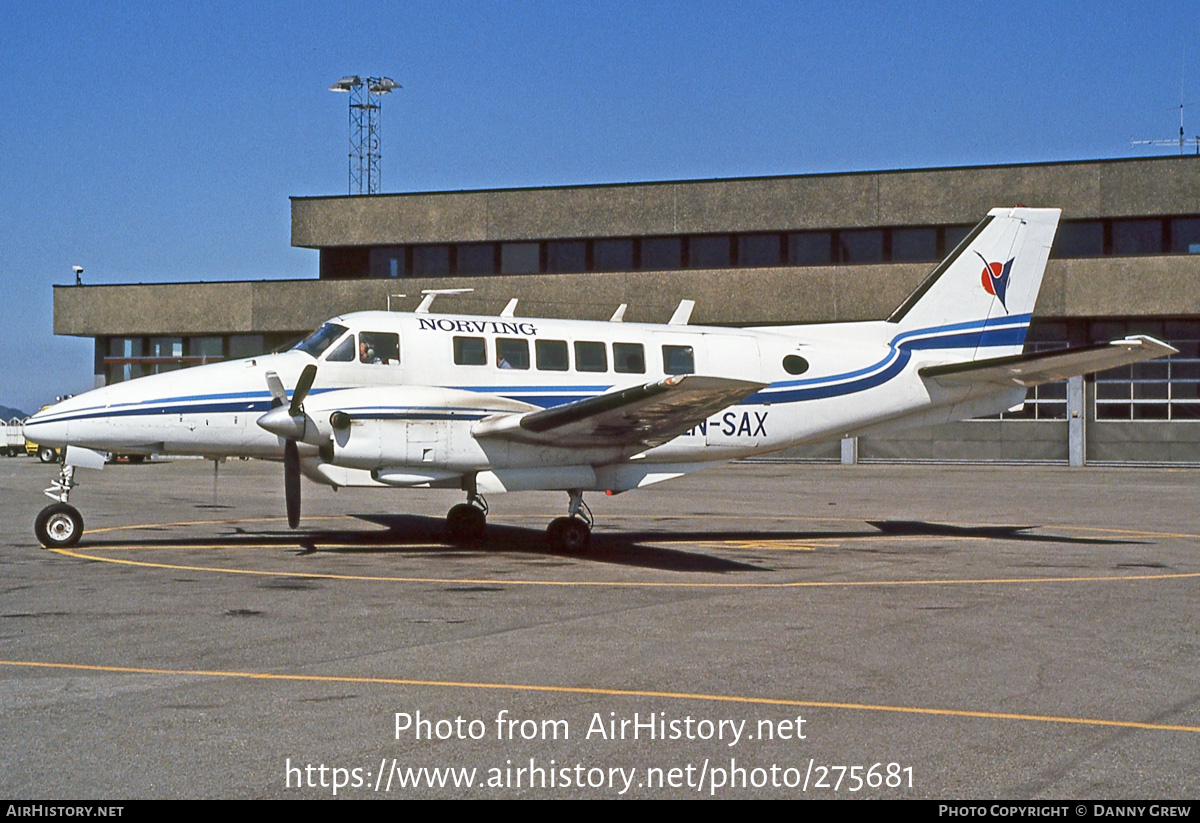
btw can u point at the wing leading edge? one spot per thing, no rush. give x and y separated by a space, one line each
646 415
1046 367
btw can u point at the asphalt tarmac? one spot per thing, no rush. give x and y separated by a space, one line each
766 630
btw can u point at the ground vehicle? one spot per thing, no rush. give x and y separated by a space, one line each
14 437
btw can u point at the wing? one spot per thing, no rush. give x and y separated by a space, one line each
1046 367
646 415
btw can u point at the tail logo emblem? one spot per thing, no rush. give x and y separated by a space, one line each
995 278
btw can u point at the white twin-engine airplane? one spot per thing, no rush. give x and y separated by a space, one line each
501 404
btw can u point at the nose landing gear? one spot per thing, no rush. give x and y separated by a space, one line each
59 525
572 533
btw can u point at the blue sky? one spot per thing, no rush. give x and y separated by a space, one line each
160 141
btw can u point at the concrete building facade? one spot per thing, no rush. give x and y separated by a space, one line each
752 251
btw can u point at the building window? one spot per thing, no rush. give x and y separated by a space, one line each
476 259
810 248
759 250
713 252
612 255
205 349
662 253
431 261
566 256
1152 390
951 237
1137 237
914 245
860 246
245 345
1185 235
520 258
388 261
1079 238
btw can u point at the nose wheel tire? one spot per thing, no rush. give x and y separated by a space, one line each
58 526
568 534
466 523
47 455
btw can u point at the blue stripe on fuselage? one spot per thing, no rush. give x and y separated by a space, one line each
1006 331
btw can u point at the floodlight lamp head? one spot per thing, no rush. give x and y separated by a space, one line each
346 83
384 85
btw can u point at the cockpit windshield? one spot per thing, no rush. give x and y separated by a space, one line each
321 339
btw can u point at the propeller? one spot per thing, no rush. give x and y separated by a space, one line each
288 420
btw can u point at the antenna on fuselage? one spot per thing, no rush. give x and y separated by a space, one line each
430 294
390 296
619 314
682 314
510 309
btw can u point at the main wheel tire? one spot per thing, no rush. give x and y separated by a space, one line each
466 524
568 534
58 526
46 454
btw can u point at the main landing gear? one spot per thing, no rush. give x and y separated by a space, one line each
572 533
59 525
466 522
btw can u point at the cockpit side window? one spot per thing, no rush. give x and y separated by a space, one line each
379 347
343 352
321 339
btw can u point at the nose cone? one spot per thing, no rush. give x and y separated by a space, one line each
48 427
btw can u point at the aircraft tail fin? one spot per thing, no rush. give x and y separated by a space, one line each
980 298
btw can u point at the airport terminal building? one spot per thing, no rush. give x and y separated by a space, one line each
749 251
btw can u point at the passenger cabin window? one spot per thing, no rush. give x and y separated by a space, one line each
379 347
629 358
678 360
551 355
512 353
343 352
590 356
470 351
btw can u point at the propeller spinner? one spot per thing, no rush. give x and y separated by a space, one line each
288 420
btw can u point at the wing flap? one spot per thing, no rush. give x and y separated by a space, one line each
1046 367
645 415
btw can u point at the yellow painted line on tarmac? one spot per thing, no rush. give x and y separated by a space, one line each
692 696
629 583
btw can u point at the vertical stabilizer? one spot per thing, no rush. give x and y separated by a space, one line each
978 300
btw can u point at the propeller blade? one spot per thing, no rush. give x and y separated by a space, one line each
291 482
302 386
275 386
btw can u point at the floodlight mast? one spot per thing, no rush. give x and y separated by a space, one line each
365 104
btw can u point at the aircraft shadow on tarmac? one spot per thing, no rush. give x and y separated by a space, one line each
413 534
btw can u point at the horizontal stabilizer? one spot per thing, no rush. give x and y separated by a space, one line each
645 415
1046 367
